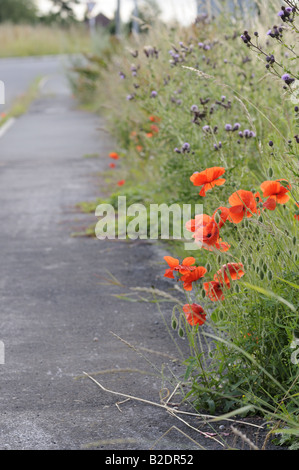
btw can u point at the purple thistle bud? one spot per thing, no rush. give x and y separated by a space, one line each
228 127
186 147
154 94
287 79
206 128
194 108
281 13
236 126
177 150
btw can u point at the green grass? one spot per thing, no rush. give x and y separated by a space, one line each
21 103
26 40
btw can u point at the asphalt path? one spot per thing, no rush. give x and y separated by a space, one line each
59 314
61 311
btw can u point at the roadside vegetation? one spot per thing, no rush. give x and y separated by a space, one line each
208 114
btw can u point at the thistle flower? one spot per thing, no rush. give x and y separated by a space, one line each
154 94
186 147
287 79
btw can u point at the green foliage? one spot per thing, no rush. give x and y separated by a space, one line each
17 11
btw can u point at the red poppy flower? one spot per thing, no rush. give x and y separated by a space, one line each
120 182
154 119
114 155
192 276
276 191
139 148
229 271
149 135
112 165
222 213
296 215
243 205
205 229
174 265
208 179
214 290
269 204
194 314
154 128
206 232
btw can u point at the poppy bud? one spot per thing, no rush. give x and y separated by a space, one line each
294 241
181 332
270 172
270 275
174 323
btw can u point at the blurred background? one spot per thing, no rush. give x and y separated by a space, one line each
37 27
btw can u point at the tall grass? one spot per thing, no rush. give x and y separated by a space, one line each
26 40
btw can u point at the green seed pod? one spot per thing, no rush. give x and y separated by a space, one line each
217 217
270 172
181 332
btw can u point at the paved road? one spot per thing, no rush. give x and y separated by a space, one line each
56 317
18 74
